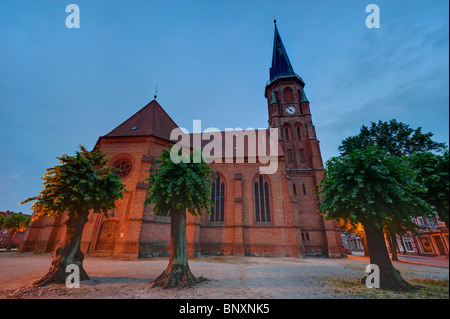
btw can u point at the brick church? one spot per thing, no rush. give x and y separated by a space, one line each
253 214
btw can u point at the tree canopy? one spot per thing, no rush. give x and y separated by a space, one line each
367 182
15 222
395 137
182 185
81 182
433 172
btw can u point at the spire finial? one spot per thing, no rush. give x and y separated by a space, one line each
156 91
274 19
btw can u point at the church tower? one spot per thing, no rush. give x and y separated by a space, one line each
289 111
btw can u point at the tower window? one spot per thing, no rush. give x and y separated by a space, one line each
304 189
218 199
302 156
286 133
289 156
294 189
262 200
299 135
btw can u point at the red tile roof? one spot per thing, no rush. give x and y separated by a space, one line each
151 120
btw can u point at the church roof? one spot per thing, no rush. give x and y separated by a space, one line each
303 97
151 120
281 65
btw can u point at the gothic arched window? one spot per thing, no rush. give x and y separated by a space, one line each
299 133
262 200
286 133
218 199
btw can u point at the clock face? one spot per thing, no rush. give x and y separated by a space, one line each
290 110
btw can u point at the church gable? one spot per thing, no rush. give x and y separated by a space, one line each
151 120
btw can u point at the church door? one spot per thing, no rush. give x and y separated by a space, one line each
107 235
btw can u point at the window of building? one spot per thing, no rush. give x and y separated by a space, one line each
218 199
304 189
286 133
262 200
299 135
123 167
294 189
302 156
289 156
305 237
408 244
420 221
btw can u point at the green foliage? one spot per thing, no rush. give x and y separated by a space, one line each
433 172
182 185
2 220
16 222
396 138
80 183
368 182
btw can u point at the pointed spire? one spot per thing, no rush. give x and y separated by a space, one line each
280 60
281 65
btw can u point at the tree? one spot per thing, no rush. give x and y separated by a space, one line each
14 223
395 137
398 139
370 187
173 188
433 172
80 184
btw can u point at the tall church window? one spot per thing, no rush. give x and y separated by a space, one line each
286 133
218 200
262 200
299 134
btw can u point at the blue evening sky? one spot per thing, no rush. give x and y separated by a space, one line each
63 87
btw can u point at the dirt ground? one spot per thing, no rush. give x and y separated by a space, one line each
228 278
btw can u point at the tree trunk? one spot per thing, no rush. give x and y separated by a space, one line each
366 247
177 273
393 245
390 278
9 240
68 253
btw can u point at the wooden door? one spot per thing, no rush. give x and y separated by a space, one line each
107 235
